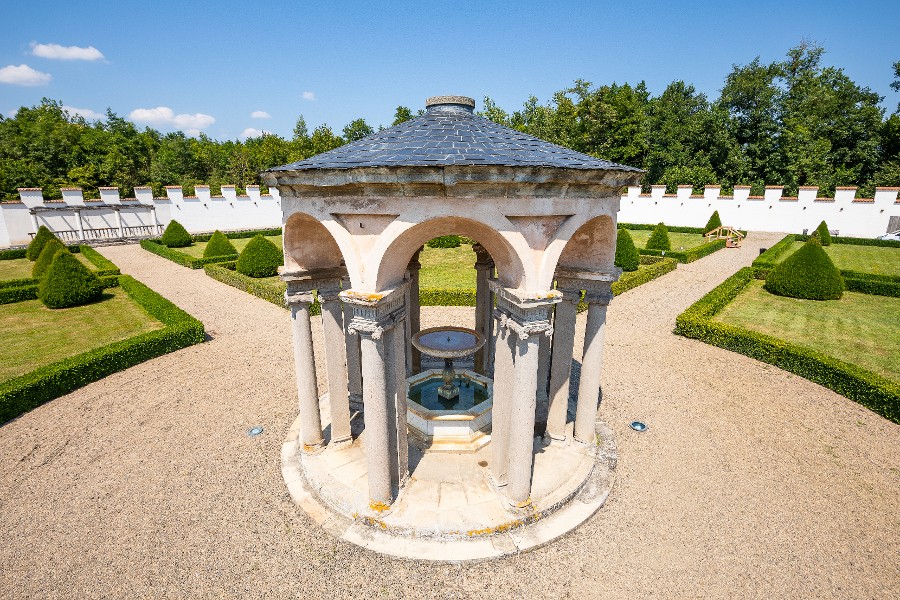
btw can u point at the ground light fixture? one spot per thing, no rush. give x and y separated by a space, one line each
639 426
254 431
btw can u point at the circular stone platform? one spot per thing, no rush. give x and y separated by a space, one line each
449 510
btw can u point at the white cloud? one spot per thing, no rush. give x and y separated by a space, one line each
252 132
12 113
309 95
23 75
87 113
260 114
57 52
163 115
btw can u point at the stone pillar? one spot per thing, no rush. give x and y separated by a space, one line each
543 381
378 320
118 212
484 306
414 312
34 222
561 365
522 320
80 224
591 362
504 376
335 359
156 222
354 366
305 368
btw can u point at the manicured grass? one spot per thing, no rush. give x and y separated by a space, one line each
20 268
196 250
448 268
862 259
32 335
679 240
859 328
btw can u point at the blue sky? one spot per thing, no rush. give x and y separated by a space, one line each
210 66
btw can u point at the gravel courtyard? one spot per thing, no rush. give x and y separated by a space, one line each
750 482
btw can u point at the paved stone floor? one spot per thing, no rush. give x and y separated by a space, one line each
751 482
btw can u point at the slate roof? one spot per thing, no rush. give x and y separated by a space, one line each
451 134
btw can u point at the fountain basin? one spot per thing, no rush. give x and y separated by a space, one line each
438 424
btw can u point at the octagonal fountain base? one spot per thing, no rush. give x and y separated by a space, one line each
449 509
441 425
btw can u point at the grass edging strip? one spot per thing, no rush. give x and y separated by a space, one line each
873 391
23 393
226 273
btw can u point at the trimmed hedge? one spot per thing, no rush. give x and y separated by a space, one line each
659 239
689 255
226 273
869 389
823 234
714 222
45 259
445 241
21 394
238 235
219 245
37 244
104 265
627 256
29 291
68 282
180 257
259 258
672 228
853 241
656 266
768 259
13 253
446 297
808 273
176 236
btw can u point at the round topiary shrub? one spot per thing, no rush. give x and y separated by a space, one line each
823 234
659 239
260 258
45 259
219 245
627 256
176 236
42 236
68 283
807 273
714 222
445 241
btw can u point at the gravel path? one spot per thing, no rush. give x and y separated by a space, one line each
750 481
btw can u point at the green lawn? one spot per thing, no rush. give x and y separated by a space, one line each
680 241
32 335
197 249
452 268
20 268
859 328
864 259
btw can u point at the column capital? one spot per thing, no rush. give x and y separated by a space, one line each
299 297
483 260
374 313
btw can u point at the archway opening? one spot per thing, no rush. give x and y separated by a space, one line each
308 245
592 247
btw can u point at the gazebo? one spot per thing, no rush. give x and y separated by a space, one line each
355 219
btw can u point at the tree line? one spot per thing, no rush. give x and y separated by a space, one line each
791 122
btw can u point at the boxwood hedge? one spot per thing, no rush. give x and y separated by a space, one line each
261 288
104 267
689 255
860 385
185 260
29 291
21 394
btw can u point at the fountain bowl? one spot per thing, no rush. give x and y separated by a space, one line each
442 425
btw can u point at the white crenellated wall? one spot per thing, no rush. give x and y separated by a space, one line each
111 217
850 216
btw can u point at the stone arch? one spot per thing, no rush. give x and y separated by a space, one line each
308 244
392 267
592 247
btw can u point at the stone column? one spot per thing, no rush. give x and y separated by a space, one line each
378 320
561 366
305 368
34 222
354 366
591 362
484 307
521 421
504 376
543 381
118 212
414 312
80 224
335 359
156 223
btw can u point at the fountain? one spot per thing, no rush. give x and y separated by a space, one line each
449 409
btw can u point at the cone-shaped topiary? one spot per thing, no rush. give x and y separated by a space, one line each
42 236
218 245
176 236
823 234
68 283
260 258
46 257
807 273
659 239
627 256
713 223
